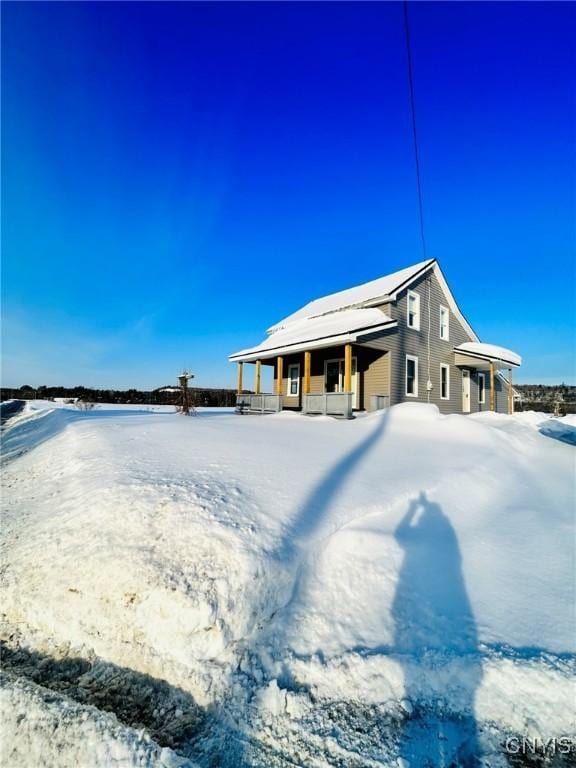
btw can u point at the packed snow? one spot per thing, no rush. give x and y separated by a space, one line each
396 590
490 351
337 326
352 297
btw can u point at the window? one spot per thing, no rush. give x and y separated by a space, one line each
411 376
413 317
293 380
481 388
444 382
444 323
334 375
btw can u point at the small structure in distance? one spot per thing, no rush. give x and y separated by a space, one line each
185 408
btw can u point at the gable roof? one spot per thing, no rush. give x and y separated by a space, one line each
340 307
359 295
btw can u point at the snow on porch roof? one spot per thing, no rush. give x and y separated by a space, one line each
359 294
328 330
489 352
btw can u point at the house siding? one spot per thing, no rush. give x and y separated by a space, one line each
383 372
403 341
375 375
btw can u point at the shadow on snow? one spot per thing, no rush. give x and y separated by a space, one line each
433 616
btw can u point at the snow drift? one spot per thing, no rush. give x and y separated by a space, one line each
324 592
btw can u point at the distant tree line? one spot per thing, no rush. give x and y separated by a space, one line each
534 397
545 397
209 398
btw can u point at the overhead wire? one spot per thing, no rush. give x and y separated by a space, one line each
418 173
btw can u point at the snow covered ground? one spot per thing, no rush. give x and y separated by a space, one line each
397 590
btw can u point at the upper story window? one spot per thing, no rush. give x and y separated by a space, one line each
413 315
411 376
293 380
444 323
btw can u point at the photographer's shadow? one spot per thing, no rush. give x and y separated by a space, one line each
436 642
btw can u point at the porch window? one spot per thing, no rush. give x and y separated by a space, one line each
444 382
481 388
411 376
413 317
293 380
444 323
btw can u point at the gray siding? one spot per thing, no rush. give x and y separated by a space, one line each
404 341
374 375
384 372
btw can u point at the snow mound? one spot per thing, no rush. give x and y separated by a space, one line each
329 592
42 728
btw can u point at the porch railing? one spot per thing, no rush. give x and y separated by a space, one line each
263 403
379 402
329 404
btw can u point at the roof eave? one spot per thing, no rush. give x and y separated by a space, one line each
251 355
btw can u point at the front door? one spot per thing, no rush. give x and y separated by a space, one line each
465 390
334 378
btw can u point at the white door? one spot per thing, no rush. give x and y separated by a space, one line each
465 390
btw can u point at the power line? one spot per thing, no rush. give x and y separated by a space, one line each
414 132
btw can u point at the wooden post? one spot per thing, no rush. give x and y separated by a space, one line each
185 404
492 390
257 377
240 376
279 375
510 393
307 366
348 368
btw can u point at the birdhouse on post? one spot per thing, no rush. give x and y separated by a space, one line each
183 378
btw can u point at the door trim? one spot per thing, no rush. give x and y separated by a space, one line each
466 390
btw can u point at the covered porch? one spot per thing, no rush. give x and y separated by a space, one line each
332 381
333 365
493 360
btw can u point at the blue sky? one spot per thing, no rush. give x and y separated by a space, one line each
178 176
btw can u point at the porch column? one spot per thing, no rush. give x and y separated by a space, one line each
257 377
307 366
510 393
239 386
279 374
492 390
348 368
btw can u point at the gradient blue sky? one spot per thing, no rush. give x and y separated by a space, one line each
177 177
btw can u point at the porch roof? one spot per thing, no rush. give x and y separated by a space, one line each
474 353
332 330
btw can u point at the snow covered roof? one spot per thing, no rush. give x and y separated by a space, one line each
489 352
336 328
353 297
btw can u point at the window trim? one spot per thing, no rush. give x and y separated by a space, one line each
409 295
482 401
446 367
414 359
289 380
447 310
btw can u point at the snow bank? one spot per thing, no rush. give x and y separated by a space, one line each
41 728
330 591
